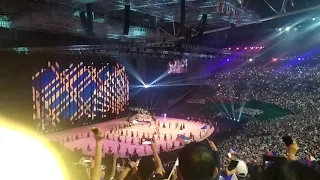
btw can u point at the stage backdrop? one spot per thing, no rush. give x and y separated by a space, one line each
78 93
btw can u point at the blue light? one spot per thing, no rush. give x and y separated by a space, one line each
146 86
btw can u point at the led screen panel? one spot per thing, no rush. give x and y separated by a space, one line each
78 92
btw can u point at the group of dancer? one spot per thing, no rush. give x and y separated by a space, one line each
121 133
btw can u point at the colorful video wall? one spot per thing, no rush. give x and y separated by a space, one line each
78 92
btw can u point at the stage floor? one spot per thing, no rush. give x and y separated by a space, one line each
143 150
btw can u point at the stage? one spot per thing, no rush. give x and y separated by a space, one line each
82 137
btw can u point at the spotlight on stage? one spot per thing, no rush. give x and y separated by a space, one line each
146 86
165 115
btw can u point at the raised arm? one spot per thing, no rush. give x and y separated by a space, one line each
114 166
157 160
124 174
217 157
97 156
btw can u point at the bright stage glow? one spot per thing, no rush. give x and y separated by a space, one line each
146 86
164 115
250 59
288 28
25 157
280 29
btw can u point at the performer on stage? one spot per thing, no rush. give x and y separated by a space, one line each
135 153
110 151
127 152
161 149
144 149
173 146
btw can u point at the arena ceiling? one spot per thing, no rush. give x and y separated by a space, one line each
150 20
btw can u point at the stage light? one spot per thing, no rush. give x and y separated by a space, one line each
228 60
280 29
299 59
146 86
237 48
37 158
165 115
313 19
245 48
288 28
229 48
274 59
250 59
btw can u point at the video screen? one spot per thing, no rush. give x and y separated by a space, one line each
178 66
78 92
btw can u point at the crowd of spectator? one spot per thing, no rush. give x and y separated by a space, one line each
292 88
